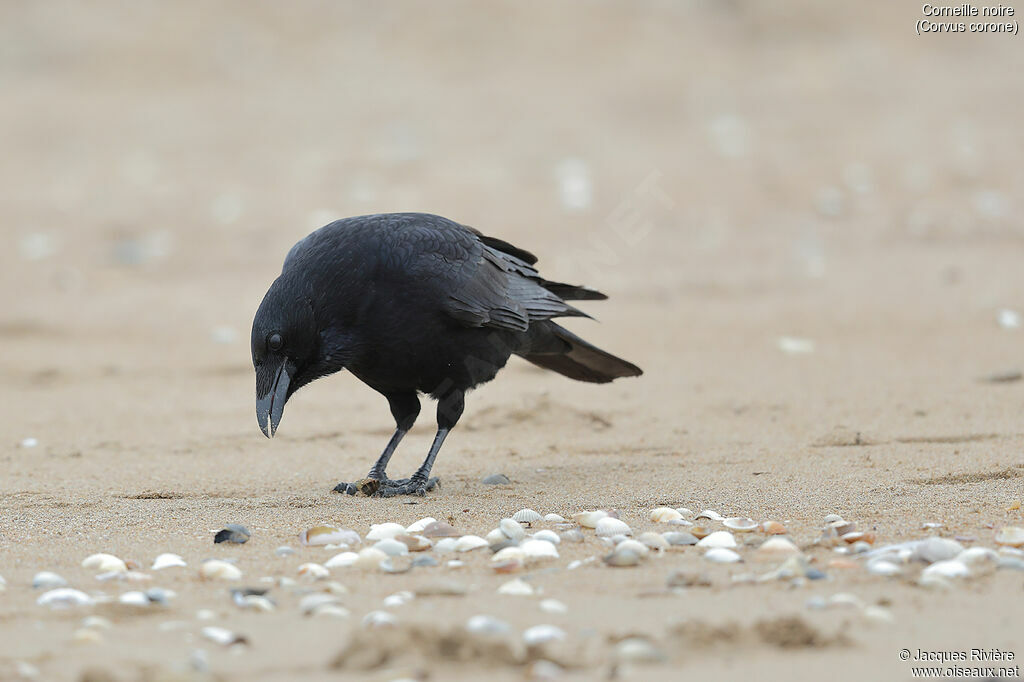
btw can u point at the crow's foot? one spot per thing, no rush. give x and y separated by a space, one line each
373 487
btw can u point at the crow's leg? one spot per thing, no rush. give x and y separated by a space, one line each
405 407
449 409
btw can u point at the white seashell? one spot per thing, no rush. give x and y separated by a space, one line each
343 560
256 602
833 518
64 598
536 550
526 516
844 600
710 514
879 614
167 561
47 580
589 519
127 576
883 568
975 555
311 603
384 531
664 515
508 560
3 584
553 606
516 587
542 634
495 536
314 571
721 555
104 563
398 599
935 581
455 563
776 546
686 513
98 622
512 529
608 526
369 558
638 650
379 619
222 636
392 547
134 599
947 569
740 524
487 625
937 549
718 539
653 540
467 543
554 518
445 545
633 546
547 536
1010 536
215 569
419 525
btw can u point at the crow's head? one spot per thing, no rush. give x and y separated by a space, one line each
286 350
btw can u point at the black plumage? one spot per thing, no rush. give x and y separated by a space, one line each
413 303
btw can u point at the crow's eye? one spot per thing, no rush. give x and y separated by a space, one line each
275 342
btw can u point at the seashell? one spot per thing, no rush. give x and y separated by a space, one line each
526 516
516 587
653 540
936 549
773 528
852 537
554 518
133 599
329 535
664 515
844 600
314 571
680 522
710 514
497 537
553 606
627 553
97 622
425 560
720 539
126 576
467 543
542 634
376 620
398 599
396 564
589 519
232 532
3 584
607 527
47 580
414 543
223 636
679 539
934 581
721 555
334 587
974 555
104 563
740 524
419 526
455 563
1010 536
369 558
384 531
547 536
879 614
64 598
342 560
700 532
445 545
777 546
487 625
439 529
572 536
535 550
859 547
311 603
638 650
496 479
883 568
686 513
392 547
844 527
833 518
512 529
284 550
947 569
215 569
167 561
508 560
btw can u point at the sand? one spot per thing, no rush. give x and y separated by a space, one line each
729 173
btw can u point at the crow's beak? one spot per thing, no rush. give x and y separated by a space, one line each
270 406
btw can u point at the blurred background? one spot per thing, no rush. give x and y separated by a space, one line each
730 172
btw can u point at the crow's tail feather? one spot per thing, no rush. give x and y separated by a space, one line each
556 348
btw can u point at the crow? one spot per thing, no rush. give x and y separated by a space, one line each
412 303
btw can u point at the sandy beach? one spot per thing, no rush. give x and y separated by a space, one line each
806 217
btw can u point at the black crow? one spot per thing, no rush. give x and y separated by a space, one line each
412 303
